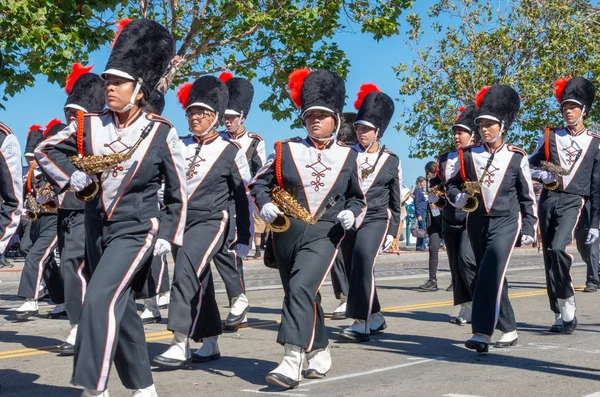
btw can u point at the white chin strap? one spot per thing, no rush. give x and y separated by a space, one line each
332 136
494 140
136 90
209 129
372 142
240 122
578 118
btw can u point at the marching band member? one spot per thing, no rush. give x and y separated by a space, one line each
433 224
576 150
507 207
318 178
121 220
40 262
380 177
85 92
217 173
461 259
227 262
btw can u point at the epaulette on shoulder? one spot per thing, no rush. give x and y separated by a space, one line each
343 144
156 117
294 139
593 134
237 145
388 151
255 136
5 130
516 149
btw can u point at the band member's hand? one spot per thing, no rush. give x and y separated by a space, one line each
387 243
161 247
80 180
461 200
419 218
432 199
527 240
592 236
242 250
346 218
269 212
42 199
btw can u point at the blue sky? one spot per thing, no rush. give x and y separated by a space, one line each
371 62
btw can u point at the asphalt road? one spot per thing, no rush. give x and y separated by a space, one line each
420 354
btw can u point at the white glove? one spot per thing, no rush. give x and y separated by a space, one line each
42 199
161 247
527 240
269 212
461 200
346 218
242 250
592 236
433 199
547 177
160 194
389 239
79 180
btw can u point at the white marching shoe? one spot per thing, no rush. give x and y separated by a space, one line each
357 332
94 393
289 373
238 313
464 314
479 343
340 312
209 350
58 311
151 313
27 309
178 353
507 339
376 323
149 391
164 299
319 363
567 313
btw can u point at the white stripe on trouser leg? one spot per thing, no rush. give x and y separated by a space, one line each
111 329
41 267
163 264
572 238
372 295
501 284
82 280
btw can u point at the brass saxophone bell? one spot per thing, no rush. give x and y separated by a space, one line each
31 216
472 204
280 224
551 185
88 193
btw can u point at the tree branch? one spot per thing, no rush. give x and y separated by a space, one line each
233 65
233 39
204 8
173 4
144 8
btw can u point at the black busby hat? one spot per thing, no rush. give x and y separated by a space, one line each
577 89
156 103
53 128
466 119
375 108
347 132
319 89
85 90
499 103
241 93
34 138
141 52
207 91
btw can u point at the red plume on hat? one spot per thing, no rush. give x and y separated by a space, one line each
559 86
479 96
362 93
51 124
183 94
77 70
120 26
295 81
225 76
34 127
460 110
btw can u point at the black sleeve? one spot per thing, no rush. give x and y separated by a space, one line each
394 188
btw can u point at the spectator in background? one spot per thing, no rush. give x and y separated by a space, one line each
406 199
420 201
434 230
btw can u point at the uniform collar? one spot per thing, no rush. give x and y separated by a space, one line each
490 150
206 141
573 133
236 137
317 145
129 122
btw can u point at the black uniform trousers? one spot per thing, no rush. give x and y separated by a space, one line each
109 326
71 245
40 262
559 214
193 309
304 255
461 259
340 275
157 281
361 247
590 253
493 240
228 264
26 242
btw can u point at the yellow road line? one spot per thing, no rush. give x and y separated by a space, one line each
162 335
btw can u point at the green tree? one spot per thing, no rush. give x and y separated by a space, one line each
264 39
526 44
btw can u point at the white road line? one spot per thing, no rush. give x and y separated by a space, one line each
373 371
458 395
276 393
593 395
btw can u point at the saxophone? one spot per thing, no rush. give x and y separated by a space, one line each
436 191
472 188
47 191
32 208
557 170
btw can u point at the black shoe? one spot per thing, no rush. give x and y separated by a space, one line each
450 287
569 326
23 316
202 359
590 287
480 347
66 349
152 320
499 345
314 374
353 336
58 315
430 285
257 255
233 322
275 379
556 328
170 362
